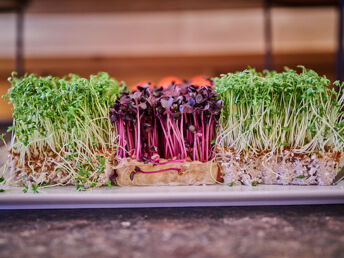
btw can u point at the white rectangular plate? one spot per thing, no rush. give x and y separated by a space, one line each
170 196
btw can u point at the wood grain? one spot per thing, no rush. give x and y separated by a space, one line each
89 6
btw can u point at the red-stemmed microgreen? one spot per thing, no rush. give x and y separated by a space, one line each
177 124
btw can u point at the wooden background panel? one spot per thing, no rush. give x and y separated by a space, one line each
133 34
304 30
170 33
105 6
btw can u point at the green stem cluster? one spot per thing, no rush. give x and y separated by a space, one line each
64 117
271 111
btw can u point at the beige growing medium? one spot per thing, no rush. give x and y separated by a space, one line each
191 173
282 168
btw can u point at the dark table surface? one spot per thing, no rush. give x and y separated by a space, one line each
284 231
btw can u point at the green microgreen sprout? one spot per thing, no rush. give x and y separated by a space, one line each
300 176
270 111
2 181
66 118
231 184
25 189
34 188
2 138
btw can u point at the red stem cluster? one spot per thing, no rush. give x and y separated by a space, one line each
177 124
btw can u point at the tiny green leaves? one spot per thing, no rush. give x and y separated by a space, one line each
39 102
2 138
25 189
272 111
300 177
231 184
67 117
34 188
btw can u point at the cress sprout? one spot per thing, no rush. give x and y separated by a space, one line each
270 111
61 128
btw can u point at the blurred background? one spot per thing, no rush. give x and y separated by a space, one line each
148 40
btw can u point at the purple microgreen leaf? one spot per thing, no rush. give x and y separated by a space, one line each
132 174
191 102
164 103
143 105
170 102
199 98
136 95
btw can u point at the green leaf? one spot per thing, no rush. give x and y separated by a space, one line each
300 176
285 144
231 184
34 188
2 138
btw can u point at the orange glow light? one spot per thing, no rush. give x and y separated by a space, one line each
166 81
200 80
